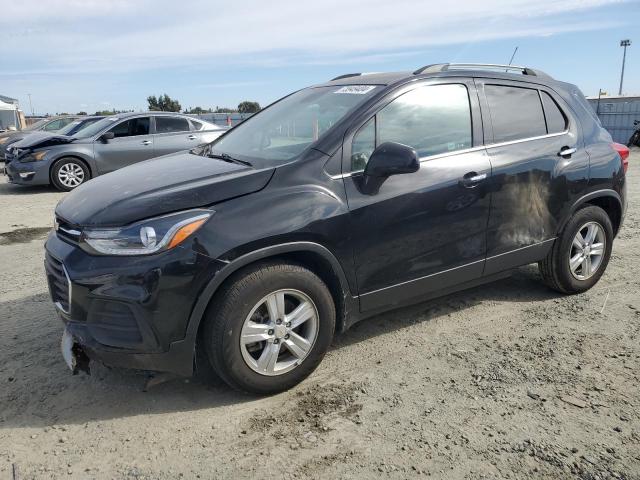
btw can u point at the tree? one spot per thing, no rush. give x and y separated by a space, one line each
81 113
164 103
111 112
248 107
224 110
197 110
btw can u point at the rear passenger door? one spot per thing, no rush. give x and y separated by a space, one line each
132 143
173 134
423 231
538 164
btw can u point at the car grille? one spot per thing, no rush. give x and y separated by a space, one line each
59 283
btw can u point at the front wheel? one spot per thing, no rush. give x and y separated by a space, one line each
269 327
69 173
581 253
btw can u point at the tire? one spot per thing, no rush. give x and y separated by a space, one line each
76 173
243 311
634 141
556 270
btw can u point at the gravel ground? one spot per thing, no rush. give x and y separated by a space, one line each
508 380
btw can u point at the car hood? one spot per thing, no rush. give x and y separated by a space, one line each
33 140
180 181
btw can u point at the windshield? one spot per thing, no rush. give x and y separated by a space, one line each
74 128
286 128
96 127
68 128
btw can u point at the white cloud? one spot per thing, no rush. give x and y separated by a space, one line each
67 51
103 35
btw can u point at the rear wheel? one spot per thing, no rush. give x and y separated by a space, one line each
581 253
69 173
269 327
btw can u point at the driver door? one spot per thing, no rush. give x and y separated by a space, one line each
423 231
132 143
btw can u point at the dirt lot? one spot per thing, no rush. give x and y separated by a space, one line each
509 380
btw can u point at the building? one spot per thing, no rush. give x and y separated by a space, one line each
9 100
10 116
617 114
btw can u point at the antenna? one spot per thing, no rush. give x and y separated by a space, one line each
513 56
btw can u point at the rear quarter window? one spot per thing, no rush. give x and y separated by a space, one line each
556 120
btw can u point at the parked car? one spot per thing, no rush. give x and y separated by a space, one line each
51 124
107 145
336 203
81 122
634 139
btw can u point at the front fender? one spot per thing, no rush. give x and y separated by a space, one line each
86 157
205 297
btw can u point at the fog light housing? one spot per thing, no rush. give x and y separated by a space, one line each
26 175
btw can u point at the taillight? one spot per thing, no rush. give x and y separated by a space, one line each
623 151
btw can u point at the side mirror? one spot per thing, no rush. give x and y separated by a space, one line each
105 137
388 159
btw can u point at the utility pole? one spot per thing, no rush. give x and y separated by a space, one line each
624 44
30 106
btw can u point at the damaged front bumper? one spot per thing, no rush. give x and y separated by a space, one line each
31 173
126 312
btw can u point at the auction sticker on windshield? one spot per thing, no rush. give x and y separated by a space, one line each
356 89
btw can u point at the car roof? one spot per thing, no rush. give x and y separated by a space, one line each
151 112
503 72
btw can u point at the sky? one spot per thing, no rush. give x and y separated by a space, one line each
89 55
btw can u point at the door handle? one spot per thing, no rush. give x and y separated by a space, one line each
146 142
566 152
192 137
472 179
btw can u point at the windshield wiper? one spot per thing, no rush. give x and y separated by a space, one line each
228 158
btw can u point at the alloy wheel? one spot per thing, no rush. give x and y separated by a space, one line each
279 332
587 251
71 175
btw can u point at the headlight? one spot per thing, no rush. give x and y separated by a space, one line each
3 140
148 236
34 157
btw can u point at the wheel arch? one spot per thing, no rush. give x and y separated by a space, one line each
608 200
75 157
314 256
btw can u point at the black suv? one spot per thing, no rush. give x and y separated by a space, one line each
333 204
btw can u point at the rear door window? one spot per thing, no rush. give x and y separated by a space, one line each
53 126
171 124
516 112
131 128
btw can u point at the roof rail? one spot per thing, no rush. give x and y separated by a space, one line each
346 75
445 67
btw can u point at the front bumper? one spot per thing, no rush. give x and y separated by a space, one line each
129 312
31 173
